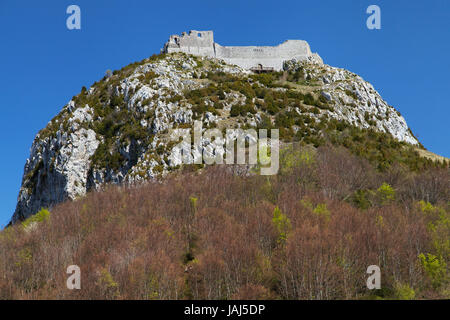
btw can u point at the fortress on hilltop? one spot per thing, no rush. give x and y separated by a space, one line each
255 58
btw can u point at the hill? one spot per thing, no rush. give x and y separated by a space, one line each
105 188
116 131
309 232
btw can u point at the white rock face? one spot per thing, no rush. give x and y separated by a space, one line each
76 167
57 168
61 164
353 97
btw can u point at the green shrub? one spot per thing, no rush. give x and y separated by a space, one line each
193 202
386 193
292 158
235 110
360 199
265 79
322 211
309 99
435 268
404 292
426 207
41 215
439 227
282 224
284 120
242 110
107 284
271 107
117 100
158 168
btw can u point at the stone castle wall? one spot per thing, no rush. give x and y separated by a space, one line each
202 43
194 42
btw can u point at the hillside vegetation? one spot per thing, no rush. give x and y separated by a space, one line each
309 232
118 130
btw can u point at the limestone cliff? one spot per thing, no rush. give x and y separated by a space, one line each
116 130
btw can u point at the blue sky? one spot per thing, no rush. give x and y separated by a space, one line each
43 64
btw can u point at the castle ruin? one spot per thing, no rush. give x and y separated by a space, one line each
255 58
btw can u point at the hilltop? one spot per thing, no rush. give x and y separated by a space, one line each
102 189
116 131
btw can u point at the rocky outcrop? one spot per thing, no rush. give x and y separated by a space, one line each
354 99
57 168
117 130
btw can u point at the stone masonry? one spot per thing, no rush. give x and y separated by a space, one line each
202 43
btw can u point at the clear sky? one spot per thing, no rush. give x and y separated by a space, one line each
43 64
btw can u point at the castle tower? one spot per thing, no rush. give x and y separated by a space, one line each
195 42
